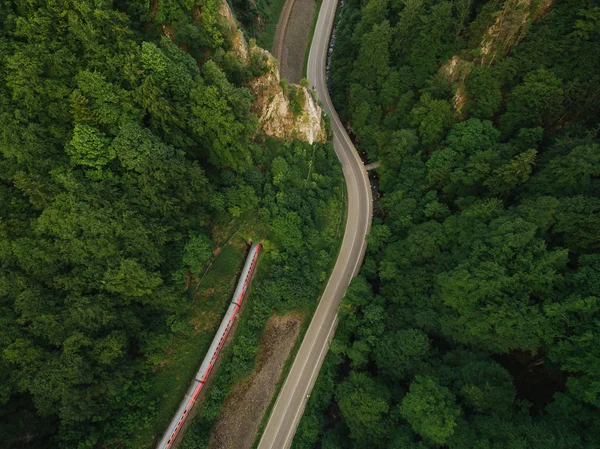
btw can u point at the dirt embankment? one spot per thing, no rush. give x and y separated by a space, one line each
290 43
248 401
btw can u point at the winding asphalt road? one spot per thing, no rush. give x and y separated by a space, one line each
291 401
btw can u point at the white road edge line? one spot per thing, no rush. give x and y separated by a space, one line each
354 163
324 349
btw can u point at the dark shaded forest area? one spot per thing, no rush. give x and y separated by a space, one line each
123 141
475 320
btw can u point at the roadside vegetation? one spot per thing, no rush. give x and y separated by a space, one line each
128 155
474 320
303 219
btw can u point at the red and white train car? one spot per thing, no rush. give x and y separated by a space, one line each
213 352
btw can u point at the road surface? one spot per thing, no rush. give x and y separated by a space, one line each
291 401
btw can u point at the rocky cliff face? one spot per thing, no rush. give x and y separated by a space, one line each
509 28
456 71
272 103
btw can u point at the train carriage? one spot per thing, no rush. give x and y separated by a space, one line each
213 351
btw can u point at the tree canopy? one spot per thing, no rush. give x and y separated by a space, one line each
476 310
126 135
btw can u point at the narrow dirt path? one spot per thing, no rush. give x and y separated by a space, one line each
284 17
296 39
247 402
291 38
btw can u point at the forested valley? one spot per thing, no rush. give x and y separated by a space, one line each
126 136
475 320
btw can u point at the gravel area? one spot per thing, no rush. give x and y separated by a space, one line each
296 39
245 406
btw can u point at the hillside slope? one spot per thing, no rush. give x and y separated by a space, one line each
131 139
474 320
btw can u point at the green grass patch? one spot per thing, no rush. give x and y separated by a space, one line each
269 11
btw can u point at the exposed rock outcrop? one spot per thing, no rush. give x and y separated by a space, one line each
272 104
509 28
240 47
273 108
456 71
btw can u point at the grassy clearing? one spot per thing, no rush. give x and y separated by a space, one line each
310 37
269 11
189 348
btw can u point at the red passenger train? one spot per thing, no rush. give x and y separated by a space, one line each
213 352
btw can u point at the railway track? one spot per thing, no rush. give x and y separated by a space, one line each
189 400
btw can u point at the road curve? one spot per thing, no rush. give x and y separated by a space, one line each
291 401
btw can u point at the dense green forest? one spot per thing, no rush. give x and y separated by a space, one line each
475 320
123 141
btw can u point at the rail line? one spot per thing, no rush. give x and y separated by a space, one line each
213 351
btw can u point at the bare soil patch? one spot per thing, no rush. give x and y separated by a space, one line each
245 406
284 17
296 39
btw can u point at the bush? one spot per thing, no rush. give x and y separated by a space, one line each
197 252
